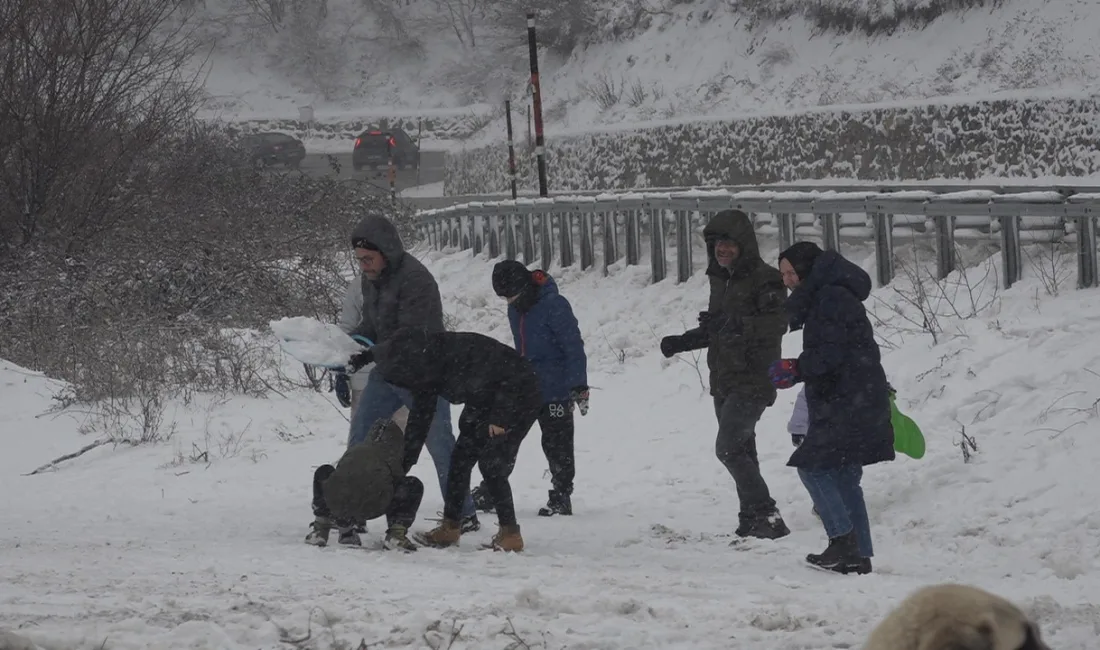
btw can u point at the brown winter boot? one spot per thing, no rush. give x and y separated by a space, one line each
447 533
507 539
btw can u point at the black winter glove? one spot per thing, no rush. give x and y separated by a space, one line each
796 439
343 389
671 345
360 361
579 395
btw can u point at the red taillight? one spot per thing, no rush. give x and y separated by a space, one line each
393 143
357 141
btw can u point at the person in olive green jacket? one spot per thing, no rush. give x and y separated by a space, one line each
742 330
369 481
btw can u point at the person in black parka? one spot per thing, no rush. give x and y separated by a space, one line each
847 396
500 393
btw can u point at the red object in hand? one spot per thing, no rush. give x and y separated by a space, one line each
784 373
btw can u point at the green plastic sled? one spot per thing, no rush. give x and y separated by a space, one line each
908 438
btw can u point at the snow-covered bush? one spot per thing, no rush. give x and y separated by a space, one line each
204 243
871 17
1009 138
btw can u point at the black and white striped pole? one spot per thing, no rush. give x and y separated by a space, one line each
540 141
511 146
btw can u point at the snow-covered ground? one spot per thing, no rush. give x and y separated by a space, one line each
139 547
695 59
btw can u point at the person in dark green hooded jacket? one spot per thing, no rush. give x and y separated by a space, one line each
742 330
368 481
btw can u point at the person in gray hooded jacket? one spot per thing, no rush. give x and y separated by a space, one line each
398 291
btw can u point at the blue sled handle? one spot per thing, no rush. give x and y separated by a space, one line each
364 340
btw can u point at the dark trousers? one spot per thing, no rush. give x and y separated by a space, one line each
736 449
407 494
556 423
838 498
494 456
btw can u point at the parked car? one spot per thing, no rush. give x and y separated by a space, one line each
374 147
275 148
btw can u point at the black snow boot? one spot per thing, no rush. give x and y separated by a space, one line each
841 556
559 503
770 526
482 500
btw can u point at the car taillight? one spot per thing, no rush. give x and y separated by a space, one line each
357 141
393 143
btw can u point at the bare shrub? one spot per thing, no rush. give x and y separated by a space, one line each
562 25
636 95
87 89
869 17
923 303
1052 262
603 89
204 249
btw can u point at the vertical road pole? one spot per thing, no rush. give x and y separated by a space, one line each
540 141
511 146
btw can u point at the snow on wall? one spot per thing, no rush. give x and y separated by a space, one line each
436 127
1029 137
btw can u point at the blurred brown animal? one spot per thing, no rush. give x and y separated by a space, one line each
955 617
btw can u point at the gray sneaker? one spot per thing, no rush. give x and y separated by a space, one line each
348 537
319 530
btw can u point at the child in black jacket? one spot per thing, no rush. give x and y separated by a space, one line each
501 398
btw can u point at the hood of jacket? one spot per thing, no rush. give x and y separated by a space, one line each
830 269
381 232
734 225
541 286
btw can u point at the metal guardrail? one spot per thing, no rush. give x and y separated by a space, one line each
1010 216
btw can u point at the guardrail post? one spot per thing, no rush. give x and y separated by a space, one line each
830 227
610 240
684 266
472 230
528 238
633 238
1087 274
658 263
546 234
786 224
1010 250
455 226
565 237
494 236
509 236
884 246
588 253
945 245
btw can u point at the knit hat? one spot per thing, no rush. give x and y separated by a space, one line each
510 278
801 257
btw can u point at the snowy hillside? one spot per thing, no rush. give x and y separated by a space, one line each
647 59
196 542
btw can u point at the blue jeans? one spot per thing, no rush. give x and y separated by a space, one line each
838 497
381 400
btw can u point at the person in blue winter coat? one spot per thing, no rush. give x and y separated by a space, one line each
846 397
546 333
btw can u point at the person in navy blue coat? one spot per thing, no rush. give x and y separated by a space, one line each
547 334
846 394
